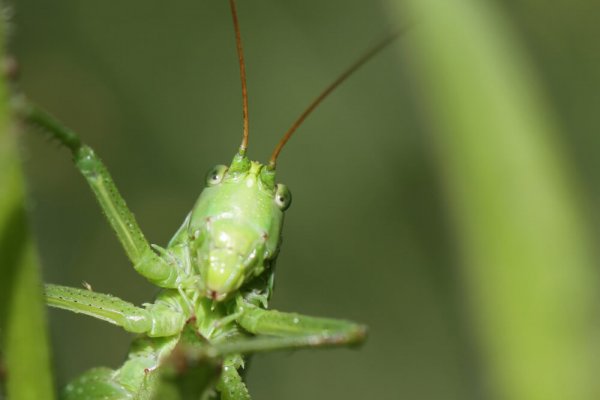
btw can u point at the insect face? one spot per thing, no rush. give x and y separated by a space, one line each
235 226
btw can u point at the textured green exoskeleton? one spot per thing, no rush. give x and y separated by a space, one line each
216 276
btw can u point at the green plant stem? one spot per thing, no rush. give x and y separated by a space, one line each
26 373
528 259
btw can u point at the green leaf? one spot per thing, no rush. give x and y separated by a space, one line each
24 348
528 260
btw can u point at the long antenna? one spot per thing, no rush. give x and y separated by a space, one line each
357 64
240 52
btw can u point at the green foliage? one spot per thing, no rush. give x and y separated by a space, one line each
26 372
516 204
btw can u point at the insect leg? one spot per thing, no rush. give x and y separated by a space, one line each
156 320
145 260
278 330
230 385
96 383
311 331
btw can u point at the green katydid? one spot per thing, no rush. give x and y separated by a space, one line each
216 276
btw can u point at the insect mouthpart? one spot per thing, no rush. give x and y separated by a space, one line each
211 294
224 273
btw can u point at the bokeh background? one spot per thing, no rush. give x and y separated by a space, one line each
154 88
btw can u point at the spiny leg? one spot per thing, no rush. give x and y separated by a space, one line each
277 330
230 385
144 259
157 320
97 383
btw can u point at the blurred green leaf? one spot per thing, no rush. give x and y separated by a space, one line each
528 259
23 341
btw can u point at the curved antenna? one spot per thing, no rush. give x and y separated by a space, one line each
357 64
240 52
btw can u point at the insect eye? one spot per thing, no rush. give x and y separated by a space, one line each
215 175
283 197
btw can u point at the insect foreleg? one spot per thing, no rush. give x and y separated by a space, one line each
230 385
290 330
156 320
97 382
144 259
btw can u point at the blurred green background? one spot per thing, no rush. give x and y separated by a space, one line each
154 88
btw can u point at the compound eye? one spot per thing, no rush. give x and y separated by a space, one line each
215 175
283 197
